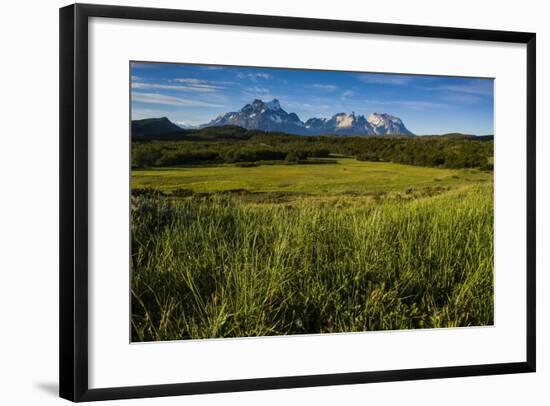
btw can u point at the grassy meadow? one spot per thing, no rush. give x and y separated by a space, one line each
322 176
323 245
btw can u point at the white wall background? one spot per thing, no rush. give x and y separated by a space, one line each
29 207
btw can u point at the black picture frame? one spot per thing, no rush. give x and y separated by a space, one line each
73 254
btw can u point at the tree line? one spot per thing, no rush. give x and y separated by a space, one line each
258 146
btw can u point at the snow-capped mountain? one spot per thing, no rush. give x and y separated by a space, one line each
262 116
344 124
269 116
387 124
185 125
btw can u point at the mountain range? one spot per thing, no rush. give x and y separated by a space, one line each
270 116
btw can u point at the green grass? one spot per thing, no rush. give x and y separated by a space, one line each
346 175
218 265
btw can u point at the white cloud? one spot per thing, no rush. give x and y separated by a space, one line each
213 67
461 97
199 88
324 88
156 98
257 89
194 81
258 92
254 76
384 79
409 104
139 113
420 104
468 88
473 87
414 104
219 84
348 93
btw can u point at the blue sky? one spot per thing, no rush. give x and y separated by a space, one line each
195 94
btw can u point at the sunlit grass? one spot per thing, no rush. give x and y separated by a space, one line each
345 175
217 265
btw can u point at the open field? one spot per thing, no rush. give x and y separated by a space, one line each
398 247
340 175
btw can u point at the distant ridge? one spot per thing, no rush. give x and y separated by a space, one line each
163 129
270 116
153 126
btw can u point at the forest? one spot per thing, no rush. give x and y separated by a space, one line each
232 144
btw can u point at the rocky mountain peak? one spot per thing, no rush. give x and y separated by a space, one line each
270 116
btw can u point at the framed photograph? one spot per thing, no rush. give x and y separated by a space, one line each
257 202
